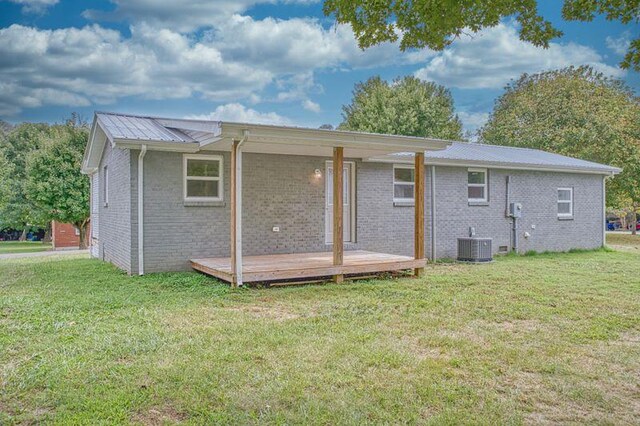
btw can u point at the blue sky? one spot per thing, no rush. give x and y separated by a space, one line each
272 61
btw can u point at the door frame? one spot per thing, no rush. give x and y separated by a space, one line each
352 200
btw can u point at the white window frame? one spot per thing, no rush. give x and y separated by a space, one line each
413 185
569 201
219 179
484 185
105 174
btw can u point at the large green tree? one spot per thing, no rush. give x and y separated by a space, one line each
55 184
407 106
16 211
576 112
435 24
6 170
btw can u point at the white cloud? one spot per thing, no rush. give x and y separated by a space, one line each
309 105
491 58
235 61
35 6
180 15
239 113
619 45
472 121
97 65
298 45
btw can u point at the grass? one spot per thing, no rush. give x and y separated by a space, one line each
623 241
546 338
23 246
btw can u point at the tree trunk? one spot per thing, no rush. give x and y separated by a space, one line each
82 227
634 220
47 234
23 236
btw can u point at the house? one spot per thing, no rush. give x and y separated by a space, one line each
65 235
251 202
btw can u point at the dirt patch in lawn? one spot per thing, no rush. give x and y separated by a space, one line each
273 312
159 416
596 379
421 350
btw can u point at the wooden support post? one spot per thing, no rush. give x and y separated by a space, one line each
419 210
338 238
234 189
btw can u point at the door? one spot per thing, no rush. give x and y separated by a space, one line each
347 199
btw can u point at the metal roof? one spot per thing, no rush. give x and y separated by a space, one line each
183 132
122 126
494 155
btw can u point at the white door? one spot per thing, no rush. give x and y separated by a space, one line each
347 214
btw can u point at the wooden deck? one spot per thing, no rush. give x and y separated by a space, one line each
298 266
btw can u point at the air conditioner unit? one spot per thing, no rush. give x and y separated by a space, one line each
474 250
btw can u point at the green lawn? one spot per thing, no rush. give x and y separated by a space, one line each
547 338
623 241
23 246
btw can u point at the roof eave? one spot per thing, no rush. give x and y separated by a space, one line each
332 138
500 165
186 147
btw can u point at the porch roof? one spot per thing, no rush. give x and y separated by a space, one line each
190 136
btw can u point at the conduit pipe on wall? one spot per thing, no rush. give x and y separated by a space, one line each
143 152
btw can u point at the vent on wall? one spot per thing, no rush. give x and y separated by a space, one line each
503 249
474 249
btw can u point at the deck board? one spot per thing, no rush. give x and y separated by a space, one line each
274 267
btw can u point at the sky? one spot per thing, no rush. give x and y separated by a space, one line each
261 61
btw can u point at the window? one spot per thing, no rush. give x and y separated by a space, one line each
202 177
565 202
106 186
477 185
403 183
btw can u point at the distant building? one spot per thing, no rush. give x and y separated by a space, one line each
66 236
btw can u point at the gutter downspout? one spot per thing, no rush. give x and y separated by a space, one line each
433 213
143 152
238 218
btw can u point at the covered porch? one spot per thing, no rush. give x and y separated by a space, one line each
336 146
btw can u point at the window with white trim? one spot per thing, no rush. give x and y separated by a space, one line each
565 202
403 183
202 177
477 185
105 176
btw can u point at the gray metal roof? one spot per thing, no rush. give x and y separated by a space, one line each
143 128
476 153
122 126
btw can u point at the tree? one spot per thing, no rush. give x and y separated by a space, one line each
435 24
55 184
4 128
408 106
576 112
17 146
6 170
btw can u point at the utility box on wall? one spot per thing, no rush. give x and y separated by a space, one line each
474 250
515 209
